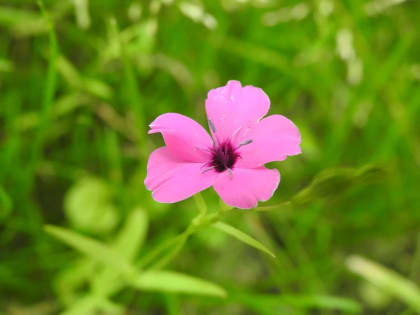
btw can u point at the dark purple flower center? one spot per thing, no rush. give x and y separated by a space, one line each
223 156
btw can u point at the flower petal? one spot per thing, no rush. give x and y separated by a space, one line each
186 139
233 108
273 139
172 180
247 186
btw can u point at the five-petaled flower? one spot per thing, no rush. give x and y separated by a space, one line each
232 159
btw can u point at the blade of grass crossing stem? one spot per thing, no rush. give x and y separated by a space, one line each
92 248
168 281
162 262
154 254
245 238
387 280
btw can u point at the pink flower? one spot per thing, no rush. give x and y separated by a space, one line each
232 159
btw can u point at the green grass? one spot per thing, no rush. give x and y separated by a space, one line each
79 233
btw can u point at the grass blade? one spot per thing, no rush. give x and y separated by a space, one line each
245 238
387 280
92 248
132 235
321 302
169 281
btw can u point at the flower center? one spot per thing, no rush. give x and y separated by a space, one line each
223 157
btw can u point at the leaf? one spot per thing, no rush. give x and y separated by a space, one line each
128 242
169 281
6 205
86 305
132 235
69 280
88 206
6 65
322 302
274 302
387 280
91 248
335 181
242 237
89 304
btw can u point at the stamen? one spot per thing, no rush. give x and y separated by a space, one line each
207 150
245 143
230 173
212 126
207 169
236 132
223 156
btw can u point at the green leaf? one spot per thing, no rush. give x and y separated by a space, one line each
86 305
274 302
90 304
6 65
88 206
242 237
132 235
169 281
322 302
71 279
128 242
335 181
6 205
387 280
92 248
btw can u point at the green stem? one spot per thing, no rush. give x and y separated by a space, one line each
201 204
177 243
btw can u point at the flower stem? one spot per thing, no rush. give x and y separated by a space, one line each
201 204
176 244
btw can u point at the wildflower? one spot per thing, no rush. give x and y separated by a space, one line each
231 159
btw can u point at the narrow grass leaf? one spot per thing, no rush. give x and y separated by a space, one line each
242 237
132 235
50 88
86 305
321 302
90 304
169 281
92 248
387 280
128 243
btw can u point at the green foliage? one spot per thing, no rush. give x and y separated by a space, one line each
243 237
81 80
175 282
95 250
272 304
89 207
387 280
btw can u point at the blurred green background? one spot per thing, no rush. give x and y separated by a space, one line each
80 82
